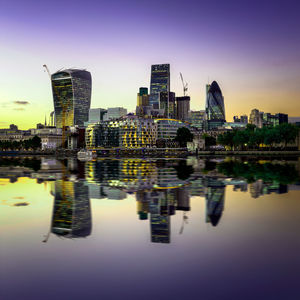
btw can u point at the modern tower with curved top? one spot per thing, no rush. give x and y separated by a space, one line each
215 110
72 90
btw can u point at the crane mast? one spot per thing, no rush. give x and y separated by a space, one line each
184 84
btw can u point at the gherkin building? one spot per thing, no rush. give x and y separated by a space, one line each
215 110
71 90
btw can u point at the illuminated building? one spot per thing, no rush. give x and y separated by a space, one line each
197 119
143 97
160 82
126 132
167 104
71 90
215 109
167 128
183 107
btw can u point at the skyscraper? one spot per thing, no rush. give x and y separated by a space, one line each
215 110
71 90
167 103
183 107
160 82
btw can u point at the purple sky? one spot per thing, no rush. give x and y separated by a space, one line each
251 48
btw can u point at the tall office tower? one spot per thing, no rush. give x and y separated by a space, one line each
143 97
183 107
215 110
160 82
167 103
71 90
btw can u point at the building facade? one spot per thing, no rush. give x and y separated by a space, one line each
167 104
130 132
160 82
215 109
71 90
183 107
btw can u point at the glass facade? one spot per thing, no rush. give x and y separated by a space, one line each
160 82
215 110
167 103
71 90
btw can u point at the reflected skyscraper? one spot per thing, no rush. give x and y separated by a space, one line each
214 196
160 82
72 212
72 96
215 109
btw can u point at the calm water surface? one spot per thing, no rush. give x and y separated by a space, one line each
149 229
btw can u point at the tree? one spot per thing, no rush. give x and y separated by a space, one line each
183 136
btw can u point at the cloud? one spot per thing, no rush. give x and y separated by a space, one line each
21 204
19 109
21 102
3 123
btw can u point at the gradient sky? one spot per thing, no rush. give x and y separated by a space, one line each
251 48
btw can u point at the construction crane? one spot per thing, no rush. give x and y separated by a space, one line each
64 107
185 85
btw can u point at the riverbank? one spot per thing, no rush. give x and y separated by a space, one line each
155 152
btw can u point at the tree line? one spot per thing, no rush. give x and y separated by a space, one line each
254 138
30 144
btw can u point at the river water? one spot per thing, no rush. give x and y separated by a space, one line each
225 228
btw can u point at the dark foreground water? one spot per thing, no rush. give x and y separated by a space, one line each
149 229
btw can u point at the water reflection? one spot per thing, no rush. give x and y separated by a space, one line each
162 187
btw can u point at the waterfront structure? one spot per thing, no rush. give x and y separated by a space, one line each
183 107
167 128
114 113
215 109
160 82
127 132
167 104
71 90
197 119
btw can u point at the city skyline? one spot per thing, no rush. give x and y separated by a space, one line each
250 49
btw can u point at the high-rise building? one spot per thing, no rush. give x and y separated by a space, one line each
160 82
114 113
215 109
96 115
143 97
183 107
71 90
167 104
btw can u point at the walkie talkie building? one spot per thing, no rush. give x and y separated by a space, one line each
72 90
215 110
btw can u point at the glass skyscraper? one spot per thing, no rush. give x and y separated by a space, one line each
215 110
72 90
160 82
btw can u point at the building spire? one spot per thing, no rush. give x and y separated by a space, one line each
45 120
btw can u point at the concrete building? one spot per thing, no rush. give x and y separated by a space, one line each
114 113
183 107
